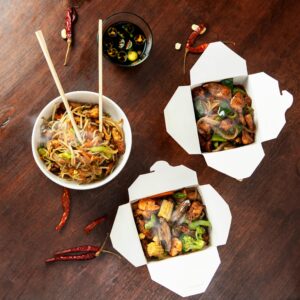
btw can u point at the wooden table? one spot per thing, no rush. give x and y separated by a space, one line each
261 258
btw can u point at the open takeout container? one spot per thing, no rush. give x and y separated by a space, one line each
219 62
200 265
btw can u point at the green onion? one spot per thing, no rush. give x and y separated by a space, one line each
103 149
65 155
42 151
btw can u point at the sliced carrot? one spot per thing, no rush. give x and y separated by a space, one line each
162 194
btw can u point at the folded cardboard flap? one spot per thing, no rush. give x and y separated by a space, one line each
269 105
181 122
160 165
124 236
163 178
187 274
238 163
288 100
218 213
216 63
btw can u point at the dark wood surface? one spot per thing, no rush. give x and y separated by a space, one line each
261 258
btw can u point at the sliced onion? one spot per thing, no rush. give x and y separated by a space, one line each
226 136
248 130
220 147
214 103
209 121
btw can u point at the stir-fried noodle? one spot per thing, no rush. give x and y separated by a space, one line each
93 160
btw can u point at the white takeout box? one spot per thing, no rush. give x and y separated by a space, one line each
172 272
219 62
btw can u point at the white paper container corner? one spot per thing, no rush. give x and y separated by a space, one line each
218 213
162 178
124 236
181 128
216 63
172 272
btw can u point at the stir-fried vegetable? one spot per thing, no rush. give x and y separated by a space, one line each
148 204
150 224
166 209
195 224
92 160
179 195
190 244
176 247
199 232
228 83
171 223
155 249
224 115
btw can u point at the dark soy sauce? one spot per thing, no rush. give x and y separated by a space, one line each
124 43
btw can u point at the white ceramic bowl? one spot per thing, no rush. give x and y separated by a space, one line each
85 97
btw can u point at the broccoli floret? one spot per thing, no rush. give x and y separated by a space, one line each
190 244
195 224
199 231
151 222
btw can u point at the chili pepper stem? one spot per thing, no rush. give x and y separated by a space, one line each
110 252
186 51
101 248
69 42
229 42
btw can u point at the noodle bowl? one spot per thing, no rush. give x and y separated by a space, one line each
81 166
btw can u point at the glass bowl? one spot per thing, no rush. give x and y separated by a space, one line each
135 20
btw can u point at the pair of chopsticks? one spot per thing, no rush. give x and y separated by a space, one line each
43 45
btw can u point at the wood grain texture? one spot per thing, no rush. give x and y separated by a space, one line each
261 258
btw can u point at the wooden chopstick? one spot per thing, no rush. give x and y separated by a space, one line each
43 45
100 74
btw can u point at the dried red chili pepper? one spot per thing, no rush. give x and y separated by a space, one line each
198 49
65 201
70 18
88 228
85 256
200 29
85 248
192 38
201 48
85 253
